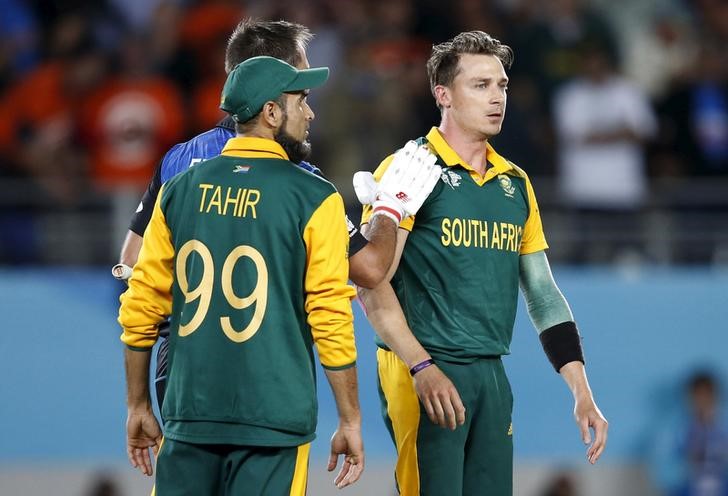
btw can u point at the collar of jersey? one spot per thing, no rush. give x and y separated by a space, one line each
451 158
253 148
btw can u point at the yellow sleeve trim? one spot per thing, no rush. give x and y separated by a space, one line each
148 300
534 238
328 296
408 222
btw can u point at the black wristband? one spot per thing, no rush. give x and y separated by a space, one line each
562 344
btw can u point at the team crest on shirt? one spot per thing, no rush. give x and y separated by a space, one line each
241 169
510 429
506 184
450 178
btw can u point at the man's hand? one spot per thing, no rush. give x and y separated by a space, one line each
404 186
142 433
587 415
347 441
439 397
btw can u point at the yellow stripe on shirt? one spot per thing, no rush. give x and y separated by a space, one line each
148 300
328 296
533 239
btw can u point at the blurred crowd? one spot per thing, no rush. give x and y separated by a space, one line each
606 103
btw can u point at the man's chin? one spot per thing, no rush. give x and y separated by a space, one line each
490 131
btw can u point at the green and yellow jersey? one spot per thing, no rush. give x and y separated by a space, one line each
457 280
248 255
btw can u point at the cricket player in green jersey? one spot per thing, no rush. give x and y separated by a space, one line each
447 316
248 255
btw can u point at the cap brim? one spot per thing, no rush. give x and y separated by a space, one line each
307 79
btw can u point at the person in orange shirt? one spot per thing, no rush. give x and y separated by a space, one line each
130 120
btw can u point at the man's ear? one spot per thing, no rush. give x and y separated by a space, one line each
443 96
272 114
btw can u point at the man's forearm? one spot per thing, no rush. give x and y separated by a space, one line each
574 374
137 379
345 387
369 266
385 314
130 249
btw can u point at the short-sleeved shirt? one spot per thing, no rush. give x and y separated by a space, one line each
457 281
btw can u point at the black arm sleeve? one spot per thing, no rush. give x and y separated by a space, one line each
357 241
142 216
562 344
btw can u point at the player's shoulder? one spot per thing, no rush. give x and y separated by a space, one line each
384 164
307 166
516 170
202 147
520 176
311 177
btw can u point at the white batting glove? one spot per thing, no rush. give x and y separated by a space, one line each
404 186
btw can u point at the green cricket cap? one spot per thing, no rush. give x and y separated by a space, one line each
258 80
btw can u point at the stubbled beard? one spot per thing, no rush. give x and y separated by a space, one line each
297 151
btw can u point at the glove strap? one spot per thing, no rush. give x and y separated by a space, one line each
387 211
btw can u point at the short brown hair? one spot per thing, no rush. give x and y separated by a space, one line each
253 38
443 64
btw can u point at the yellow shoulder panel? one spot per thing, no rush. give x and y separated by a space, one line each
534 238
148 300
328 296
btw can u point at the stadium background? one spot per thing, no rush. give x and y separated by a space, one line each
92 93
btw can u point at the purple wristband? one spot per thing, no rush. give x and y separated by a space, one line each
422 365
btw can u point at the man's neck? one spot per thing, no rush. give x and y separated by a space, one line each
469 147
257 131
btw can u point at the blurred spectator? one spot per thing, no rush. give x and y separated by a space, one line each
204 31
691 456
104 485
41 160
38 122
694 117
137 14
660 54
168 55
131 120
712 19
477 15
561 485
98 19
19 44
602 121
550 41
